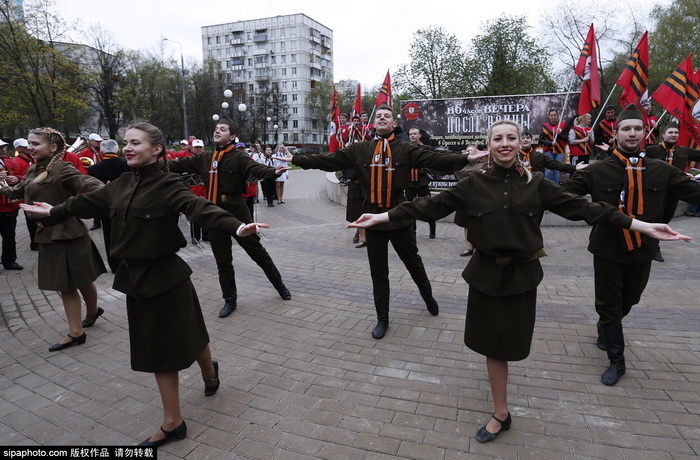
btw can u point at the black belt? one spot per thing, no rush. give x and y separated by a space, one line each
51 222
515 260
225 198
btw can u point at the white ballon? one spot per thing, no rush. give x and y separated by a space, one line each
228 93
242 107
215 117
224 105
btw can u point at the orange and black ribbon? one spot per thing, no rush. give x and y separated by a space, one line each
213 192
669 151
525 158
632 196
381 171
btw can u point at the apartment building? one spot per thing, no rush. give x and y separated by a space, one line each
271 65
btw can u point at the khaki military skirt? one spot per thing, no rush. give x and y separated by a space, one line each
69 265
167 331
500 327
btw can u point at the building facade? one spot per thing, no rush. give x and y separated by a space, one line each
271 65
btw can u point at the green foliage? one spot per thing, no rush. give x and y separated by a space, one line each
676 34
505 59
436 69
319 102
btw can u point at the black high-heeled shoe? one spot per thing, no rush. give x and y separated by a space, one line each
89 321
74 341
211 390
177 434
484 435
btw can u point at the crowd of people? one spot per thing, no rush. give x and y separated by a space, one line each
504 188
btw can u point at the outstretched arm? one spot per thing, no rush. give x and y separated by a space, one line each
368 220
658 231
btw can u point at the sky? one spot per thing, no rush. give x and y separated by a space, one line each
369 37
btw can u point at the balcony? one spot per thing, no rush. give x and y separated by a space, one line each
260 38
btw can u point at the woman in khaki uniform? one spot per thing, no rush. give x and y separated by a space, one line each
504 208
68 259
166 328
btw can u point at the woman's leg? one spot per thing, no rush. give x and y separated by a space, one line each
90 296
169 388
71 305
204 362
280 191
469 245
498 378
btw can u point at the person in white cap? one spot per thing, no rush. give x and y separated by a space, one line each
11 172
22 155
94 153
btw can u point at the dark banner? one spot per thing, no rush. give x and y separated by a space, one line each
456 123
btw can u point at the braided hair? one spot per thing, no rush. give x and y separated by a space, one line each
155 137
52 136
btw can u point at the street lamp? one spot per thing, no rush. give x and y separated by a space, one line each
268 120
184 98
276 128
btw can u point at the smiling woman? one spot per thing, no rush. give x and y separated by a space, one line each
503 208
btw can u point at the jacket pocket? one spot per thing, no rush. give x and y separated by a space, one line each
147 213
479 211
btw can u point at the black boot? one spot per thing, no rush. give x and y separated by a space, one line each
600 343
426 292
382 307
227 281
615 342
276 279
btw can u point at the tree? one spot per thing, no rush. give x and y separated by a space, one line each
436 67
204 98
319 101
674 36
110 64
40 81
505 59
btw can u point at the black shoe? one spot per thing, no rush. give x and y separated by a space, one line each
658 257
12 266
95 227
356 239
229 307
380 329
432 306
178 433
432 235
90 320
613 373
284 292
484 435
211 390
467 253
270 205
361 245
74 341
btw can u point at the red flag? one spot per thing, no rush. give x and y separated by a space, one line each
587 68
333 141
684 135
384 96
679 95
634 78
357 104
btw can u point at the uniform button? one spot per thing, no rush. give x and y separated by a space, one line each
530 214
505 193
506 181
505 206
148 216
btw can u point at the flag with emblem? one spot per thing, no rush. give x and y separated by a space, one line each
357 104
384 96
634 78
679 95
587 68
333 141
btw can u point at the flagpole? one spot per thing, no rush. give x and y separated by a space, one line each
602 107
657 124
561 117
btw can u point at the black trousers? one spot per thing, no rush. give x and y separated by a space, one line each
413 192
617 288
8 225
404 242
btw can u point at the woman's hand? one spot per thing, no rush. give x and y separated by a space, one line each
281 169
658 231
40 208
252 229
288 157
367 220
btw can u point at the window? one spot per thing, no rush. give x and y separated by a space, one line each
294 84
295 110
250 62
285 124
283 97
285 136
294 97
294 58
218 52
282 46
251 87
273 60
284 72
284 85
218 40
294 70
314 124
295 123
208 40
284 59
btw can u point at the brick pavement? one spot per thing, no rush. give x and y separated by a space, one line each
304 379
